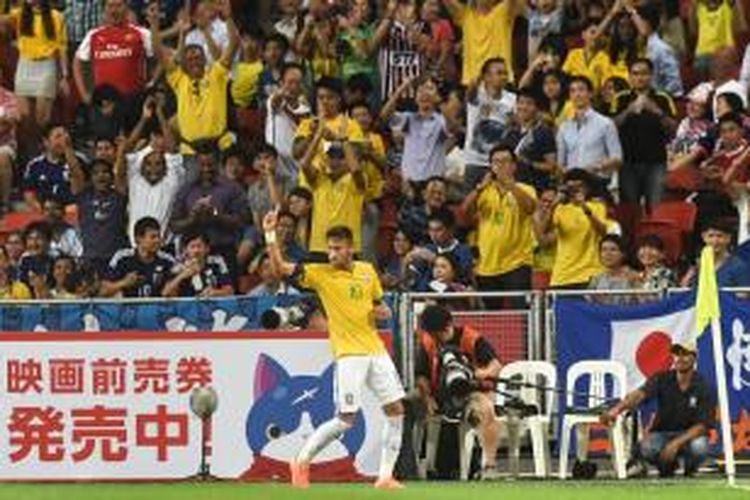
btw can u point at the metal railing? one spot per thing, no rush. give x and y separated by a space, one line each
524 329
515 319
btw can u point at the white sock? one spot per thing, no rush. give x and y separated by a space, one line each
392 432
322 437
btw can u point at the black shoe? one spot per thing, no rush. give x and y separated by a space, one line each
667 470
637 469
690 470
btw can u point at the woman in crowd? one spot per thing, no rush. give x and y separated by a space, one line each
393 273
616 275
43 60
654 273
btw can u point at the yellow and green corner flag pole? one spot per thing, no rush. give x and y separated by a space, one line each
708 312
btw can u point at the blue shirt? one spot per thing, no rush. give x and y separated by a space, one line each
666 68
102 218
425 138
214 274
48 180
733 273
155 273
585 142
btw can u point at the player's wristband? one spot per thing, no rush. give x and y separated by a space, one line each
270 237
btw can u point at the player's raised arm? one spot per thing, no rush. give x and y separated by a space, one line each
278 264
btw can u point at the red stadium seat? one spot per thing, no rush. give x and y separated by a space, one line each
17 221
628 215
680 213
670 233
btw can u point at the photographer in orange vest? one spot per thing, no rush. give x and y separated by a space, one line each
453 357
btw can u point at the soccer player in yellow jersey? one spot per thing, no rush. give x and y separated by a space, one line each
352 297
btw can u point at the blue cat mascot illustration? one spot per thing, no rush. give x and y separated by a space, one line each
286 409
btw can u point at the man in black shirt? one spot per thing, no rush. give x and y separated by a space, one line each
438 334
685 406
141 271
645 119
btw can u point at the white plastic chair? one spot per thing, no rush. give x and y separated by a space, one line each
525 372
597 372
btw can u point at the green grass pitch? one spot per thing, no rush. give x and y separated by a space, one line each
698 489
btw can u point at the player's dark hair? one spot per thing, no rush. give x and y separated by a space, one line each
642 60
651 241
724 224
500 147
435 319
329 83
195 234
489 62
145 224
301 192
530 94
40 227
279 40
47 130
99 162
444 216
266 149
289 66
287 214
340 233
581 79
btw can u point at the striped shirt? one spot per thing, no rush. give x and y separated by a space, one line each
81 16
400 58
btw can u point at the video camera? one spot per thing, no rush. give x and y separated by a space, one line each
292 316
457 382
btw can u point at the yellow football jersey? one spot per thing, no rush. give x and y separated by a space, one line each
348 298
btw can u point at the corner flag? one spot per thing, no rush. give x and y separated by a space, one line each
707 299
708 312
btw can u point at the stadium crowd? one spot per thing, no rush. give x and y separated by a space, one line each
489 144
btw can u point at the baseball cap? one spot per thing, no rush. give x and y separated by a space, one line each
684 347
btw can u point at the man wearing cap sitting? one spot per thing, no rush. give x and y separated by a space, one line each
685 405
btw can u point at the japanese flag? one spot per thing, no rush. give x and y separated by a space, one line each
643 345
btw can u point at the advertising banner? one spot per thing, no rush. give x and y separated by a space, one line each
115 405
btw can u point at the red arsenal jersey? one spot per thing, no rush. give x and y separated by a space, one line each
118 56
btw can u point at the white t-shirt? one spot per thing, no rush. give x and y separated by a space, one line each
281 128
147 200
486 121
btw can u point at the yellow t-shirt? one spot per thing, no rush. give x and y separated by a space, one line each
715 29
597 69
39 46
375 180
348 298
336 203
618 69
486 36
201 104
577 257
16 291
504 235
340 122
245 82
